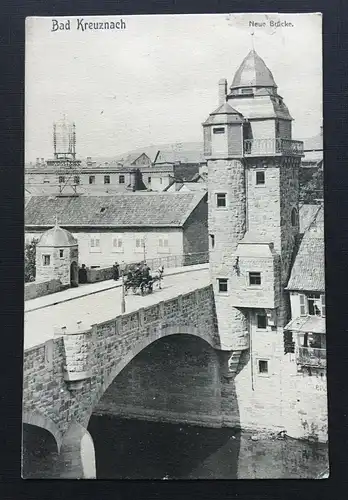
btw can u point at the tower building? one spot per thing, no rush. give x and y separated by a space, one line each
253 171
64 160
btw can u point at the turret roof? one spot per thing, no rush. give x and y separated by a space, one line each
57 237
253 72
233 116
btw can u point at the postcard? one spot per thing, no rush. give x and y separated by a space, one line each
174 248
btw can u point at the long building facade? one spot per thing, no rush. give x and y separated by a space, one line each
253 187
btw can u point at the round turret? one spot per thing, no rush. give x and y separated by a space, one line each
57 257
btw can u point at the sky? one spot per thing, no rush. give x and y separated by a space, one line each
156 81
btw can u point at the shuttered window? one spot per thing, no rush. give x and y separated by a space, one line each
303 308
117 244
94 243
163 244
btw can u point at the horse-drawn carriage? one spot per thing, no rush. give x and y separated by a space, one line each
140 279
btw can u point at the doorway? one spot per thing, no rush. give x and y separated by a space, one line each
74 274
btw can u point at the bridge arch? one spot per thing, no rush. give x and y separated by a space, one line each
161 333
40 420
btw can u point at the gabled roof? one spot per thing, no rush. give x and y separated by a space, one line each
131 159
120 210
308 271
253 72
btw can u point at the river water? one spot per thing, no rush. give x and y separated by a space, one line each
133 449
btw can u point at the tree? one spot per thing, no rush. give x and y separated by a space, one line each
29 264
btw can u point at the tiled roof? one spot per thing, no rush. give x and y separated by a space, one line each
125 210
180 156
308 272
307 215
307 324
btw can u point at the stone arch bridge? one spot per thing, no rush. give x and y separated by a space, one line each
66 376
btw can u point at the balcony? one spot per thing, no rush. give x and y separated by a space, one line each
271 147
312 357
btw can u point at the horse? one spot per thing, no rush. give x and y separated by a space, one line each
158 275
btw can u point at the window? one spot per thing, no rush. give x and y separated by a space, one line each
277 125
221 200
149 180
163 244
121 179
294 217
261 320
223 285
247 91
212 240
254 278
160 180
139 244
76 179
92 179
312 304
94 243
46 260
260 177
61 253
117 244
263 366
218 130
106 179
61 179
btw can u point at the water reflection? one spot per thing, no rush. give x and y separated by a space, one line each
130 449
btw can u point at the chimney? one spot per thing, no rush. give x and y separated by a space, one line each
222 90
37 162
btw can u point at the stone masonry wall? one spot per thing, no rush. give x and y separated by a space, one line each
228 226
289 200
33 290
112 346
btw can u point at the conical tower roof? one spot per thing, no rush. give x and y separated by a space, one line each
253 72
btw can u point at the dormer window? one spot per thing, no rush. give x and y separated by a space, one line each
248 90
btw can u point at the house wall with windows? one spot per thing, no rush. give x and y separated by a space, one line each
105 247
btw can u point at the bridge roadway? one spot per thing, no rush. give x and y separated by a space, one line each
98 302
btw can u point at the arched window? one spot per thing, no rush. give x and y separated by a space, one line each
294 217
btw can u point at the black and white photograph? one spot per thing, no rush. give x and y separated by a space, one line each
175 319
